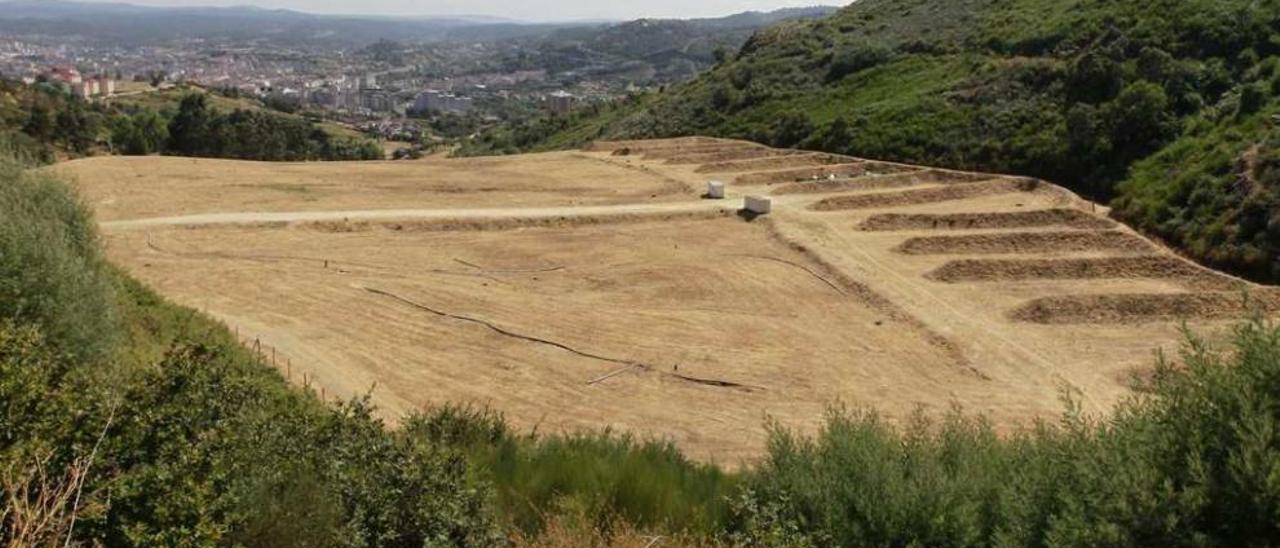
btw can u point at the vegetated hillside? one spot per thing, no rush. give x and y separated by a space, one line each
668 49
128 421
44 122
1166 107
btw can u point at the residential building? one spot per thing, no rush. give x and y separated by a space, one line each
561 102
434 100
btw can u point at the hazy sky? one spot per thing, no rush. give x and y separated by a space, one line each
537 10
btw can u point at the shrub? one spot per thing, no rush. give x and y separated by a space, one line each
51 272
852 59
603 478
1193 462
1252 98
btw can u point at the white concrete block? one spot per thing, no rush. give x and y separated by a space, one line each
715 190
757 204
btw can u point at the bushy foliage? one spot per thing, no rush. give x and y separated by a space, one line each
1214 191
188 438
46 121
51 272
1192 463
601 478
198 130
143 133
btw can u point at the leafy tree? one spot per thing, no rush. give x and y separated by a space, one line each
1094 77
1252 98
40 123
856 58
1140 119
76 128
189 130
790 129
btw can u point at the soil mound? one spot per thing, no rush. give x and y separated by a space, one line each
1141 308
925 195
1070 218
876 179
1027 242
790 161
1153 266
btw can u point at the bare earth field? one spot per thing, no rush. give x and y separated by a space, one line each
596 289
140 187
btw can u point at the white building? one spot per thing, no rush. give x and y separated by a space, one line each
561 102
434 100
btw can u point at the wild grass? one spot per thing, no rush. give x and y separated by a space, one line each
603 478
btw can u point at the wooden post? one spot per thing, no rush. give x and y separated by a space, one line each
288 369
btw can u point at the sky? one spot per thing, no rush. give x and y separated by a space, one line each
531 10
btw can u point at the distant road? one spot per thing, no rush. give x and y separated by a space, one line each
204 219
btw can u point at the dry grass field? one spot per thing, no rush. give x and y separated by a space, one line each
596 289
140 187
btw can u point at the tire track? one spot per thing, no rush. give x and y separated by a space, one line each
629 364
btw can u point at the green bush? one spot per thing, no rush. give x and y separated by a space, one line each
851 59
600 477
1252 98
194 441
51 272
1193 462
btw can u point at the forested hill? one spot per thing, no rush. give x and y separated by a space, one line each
665 50
1164 107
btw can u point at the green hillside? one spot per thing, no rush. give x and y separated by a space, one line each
44 121
1166 107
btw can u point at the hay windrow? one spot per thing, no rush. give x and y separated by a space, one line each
1063 217
878 177
925 195
850 169
1145 308
1027 242
1150 266
733 154
788 161
668 153
636 146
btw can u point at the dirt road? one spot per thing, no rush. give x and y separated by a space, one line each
481 215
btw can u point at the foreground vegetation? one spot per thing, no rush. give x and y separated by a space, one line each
126 420
1167 107
46 122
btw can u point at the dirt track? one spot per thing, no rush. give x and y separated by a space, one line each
437 215
591 289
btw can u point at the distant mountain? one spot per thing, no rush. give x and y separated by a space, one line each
131 24
661 50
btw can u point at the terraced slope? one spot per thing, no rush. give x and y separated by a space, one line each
597 288
1166 109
